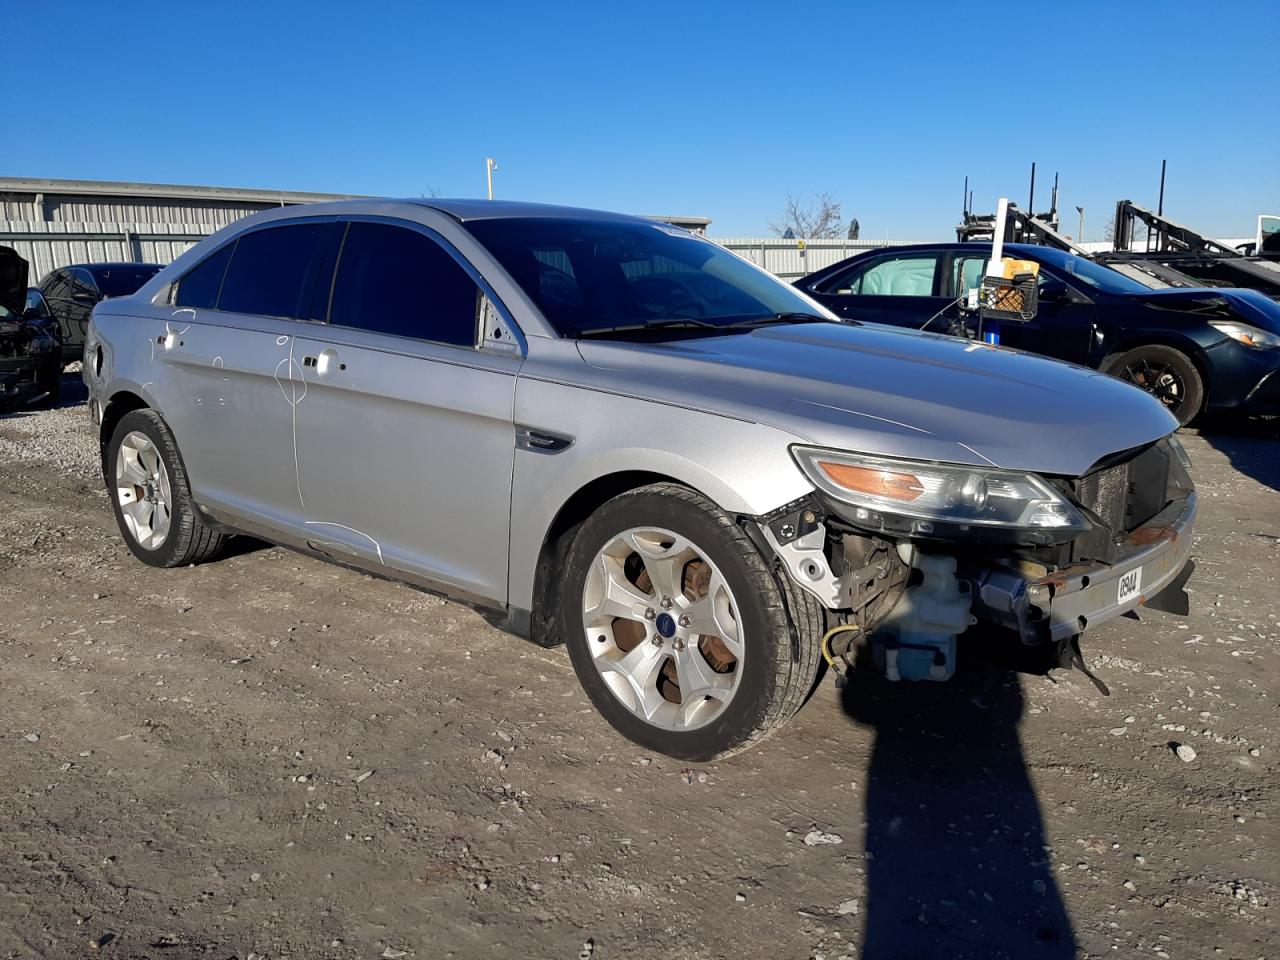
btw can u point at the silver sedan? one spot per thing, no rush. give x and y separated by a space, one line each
624 438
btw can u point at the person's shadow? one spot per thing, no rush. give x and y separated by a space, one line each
956 865
1250 445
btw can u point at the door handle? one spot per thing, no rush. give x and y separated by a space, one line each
326 361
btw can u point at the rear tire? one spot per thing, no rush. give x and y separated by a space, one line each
151 496
692 694
51 382
1166 373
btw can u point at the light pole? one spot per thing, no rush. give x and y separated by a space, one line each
1080 238
490 165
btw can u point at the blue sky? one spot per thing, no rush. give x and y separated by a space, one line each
718 110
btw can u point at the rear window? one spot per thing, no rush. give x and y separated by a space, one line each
122 281
199 288
1094 274
270 270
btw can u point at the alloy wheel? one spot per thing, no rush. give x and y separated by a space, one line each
1160 380
142 490
663 628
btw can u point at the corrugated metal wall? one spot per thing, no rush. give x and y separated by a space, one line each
785 258
208 214
55 223
47 246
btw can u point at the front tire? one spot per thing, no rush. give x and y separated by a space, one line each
1167 374
677 629
151 496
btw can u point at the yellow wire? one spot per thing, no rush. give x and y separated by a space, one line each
826 640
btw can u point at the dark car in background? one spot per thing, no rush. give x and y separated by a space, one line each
69 294
1197 350
30 363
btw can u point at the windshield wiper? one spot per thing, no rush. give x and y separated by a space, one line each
670 323
695 323
794 316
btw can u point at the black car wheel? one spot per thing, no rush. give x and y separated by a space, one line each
1165 373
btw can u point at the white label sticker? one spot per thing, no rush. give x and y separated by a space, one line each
1130 585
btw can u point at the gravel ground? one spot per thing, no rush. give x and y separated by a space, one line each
271 757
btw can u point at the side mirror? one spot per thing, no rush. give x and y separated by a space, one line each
1054 291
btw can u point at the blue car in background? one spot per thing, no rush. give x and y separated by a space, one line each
1197 350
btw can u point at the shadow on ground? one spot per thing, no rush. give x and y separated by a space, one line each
1250 444
956 865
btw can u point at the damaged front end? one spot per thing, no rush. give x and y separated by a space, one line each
908 555
30 356
30 362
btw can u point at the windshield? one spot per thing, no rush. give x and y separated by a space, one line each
1092 274
122 281
595 275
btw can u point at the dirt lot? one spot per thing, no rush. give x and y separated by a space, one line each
269 756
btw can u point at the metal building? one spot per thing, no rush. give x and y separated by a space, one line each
792 259
52 223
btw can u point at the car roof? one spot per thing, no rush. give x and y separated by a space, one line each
465 210
512 209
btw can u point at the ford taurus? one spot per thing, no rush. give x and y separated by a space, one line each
623 437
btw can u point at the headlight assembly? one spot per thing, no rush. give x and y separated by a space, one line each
1250 336
947 493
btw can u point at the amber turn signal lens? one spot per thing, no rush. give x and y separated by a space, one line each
877 483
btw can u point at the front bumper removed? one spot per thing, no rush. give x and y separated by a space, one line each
20 380
1063 604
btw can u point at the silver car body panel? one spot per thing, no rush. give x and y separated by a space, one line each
408 459
920 396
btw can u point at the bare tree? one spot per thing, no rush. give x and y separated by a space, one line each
819 219
1138 232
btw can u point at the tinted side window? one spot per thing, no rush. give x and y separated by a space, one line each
57 286
122 281
82 284
398 281
270 270
36 302
199 288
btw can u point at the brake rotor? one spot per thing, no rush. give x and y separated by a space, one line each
697 582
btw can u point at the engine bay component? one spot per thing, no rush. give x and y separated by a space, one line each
917 639
30 358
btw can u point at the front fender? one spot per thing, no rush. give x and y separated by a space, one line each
744 467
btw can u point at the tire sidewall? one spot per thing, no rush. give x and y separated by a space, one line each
150 424
1193 382
757 686
52 382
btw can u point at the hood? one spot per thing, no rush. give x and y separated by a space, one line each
893 392
13 281
1251 306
